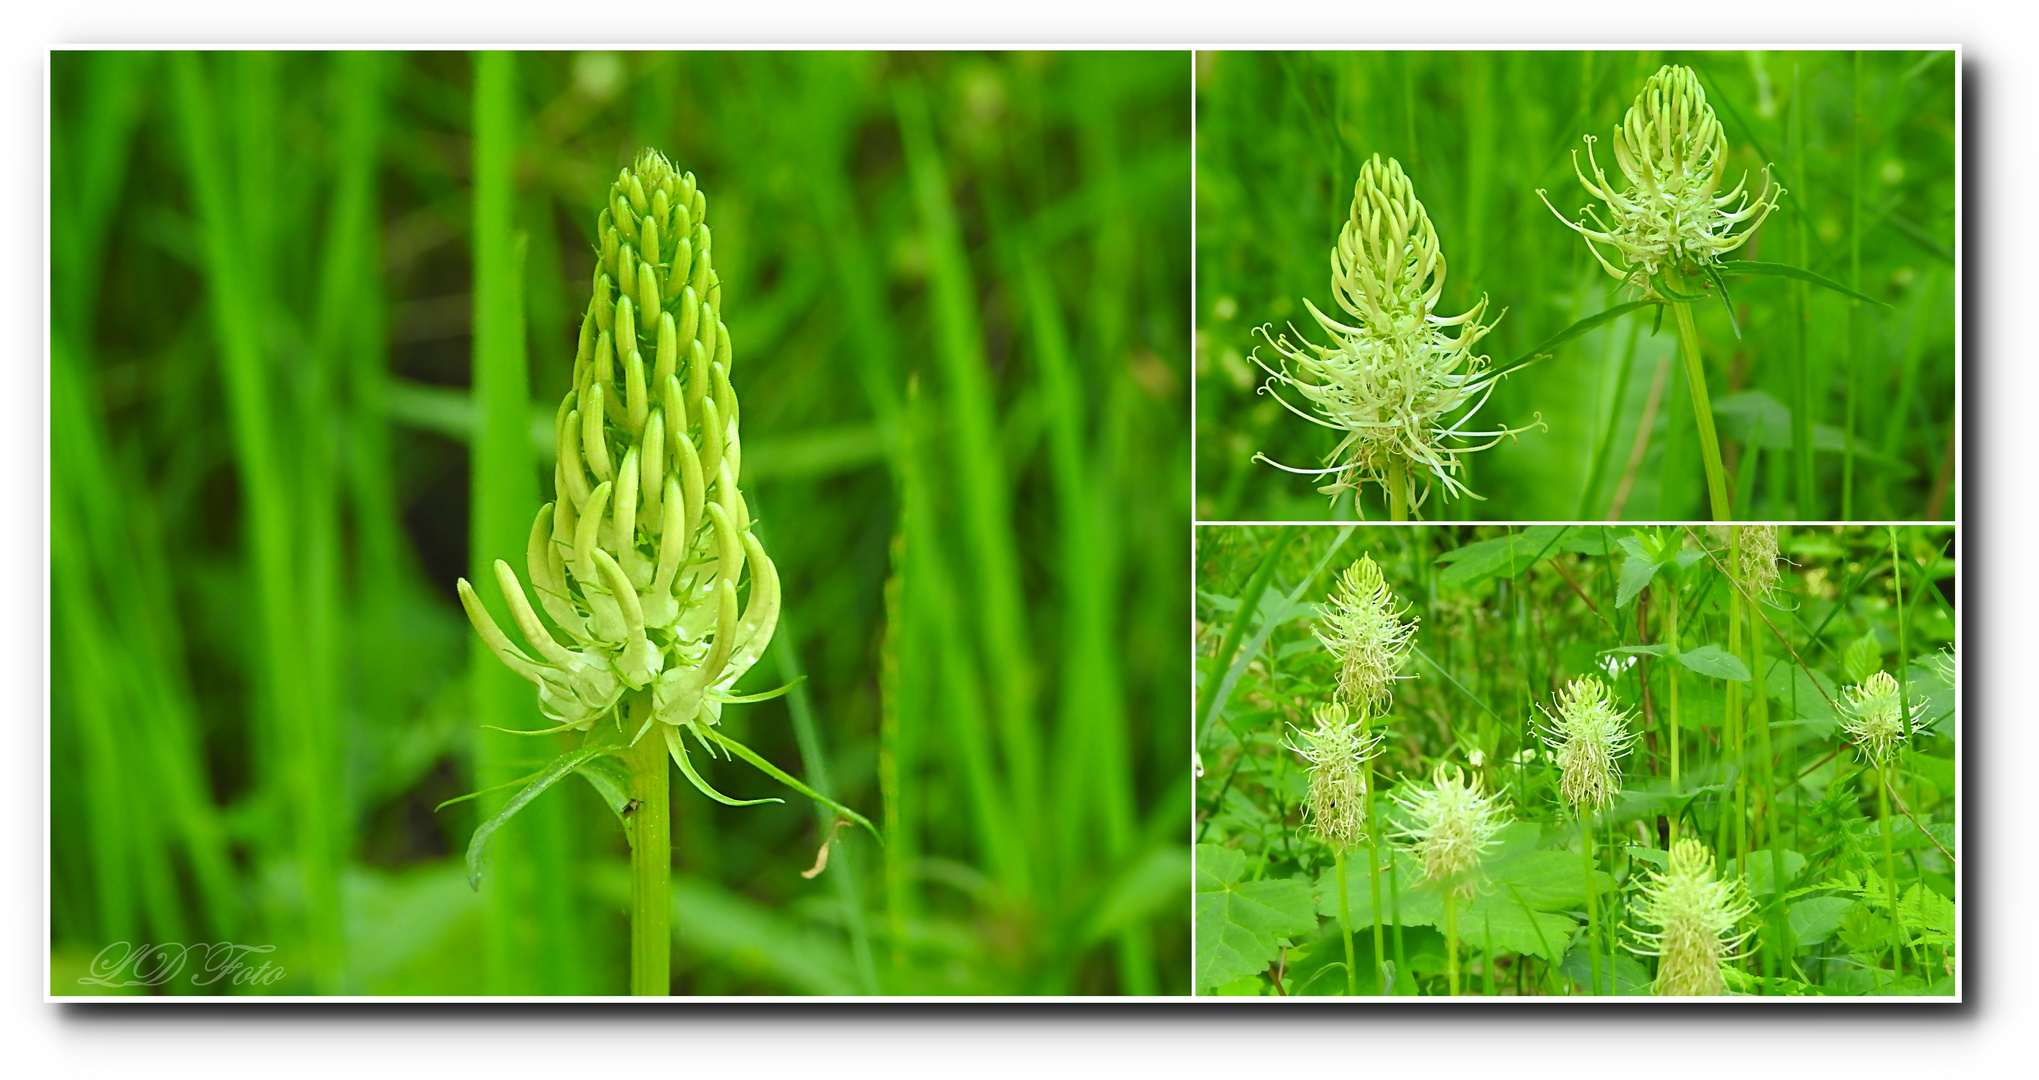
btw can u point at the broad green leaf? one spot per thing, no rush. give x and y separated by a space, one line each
1715 662
1503 556
1788 684
1659 649
1814 920
1499 921
1624 976
1927 915
1415 900
1240 924
1749 268
550 775
1549 880
1762 870
1636 574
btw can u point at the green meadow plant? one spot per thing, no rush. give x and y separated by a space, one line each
638 562
1807 333
1732 846
1399 383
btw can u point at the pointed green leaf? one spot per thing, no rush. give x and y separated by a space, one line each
1766 269
1715 662
1636 574
550 775
782 777
1549 345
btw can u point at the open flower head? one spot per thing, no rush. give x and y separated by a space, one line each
1587 736
640 559
1365 629
1696 919
1671 213
1451 823
1398 382
1876 717
1337 746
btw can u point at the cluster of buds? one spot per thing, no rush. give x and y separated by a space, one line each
1338 748
1672 151
1876 717
1695 917
1364 629
639 560
1394 383
1451 824
1588 736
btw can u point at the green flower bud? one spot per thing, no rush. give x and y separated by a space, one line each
1696 918
1876 718
1393 381
1672 151
1337 748
1363 628
1451 825
1587 735
640 559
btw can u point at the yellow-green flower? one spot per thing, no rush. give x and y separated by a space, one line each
1876 717
1696 919
1337 748
1451 824
1672 151
640 560
1587 735
1758 563
1364 628
1393 382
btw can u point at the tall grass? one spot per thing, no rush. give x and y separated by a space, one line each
308 312
1827 407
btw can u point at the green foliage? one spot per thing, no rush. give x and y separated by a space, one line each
311 316
1507 617
1839 312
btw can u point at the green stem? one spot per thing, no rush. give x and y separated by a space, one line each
1451 939
1373 880
1592 903
1671 681
1398 491
1889 874
651 869
1702 406
1345 926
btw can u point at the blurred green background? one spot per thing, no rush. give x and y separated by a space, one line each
956 288
1828 408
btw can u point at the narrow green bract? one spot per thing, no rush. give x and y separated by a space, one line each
639 560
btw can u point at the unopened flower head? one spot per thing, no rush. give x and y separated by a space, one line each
1364 628
1393 381
1757 567
1696 919
1876 717
1337 748
1673 153
639 559
1587 735
1451 824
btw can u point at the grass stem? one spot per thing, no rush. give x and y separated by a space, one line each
1345 925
